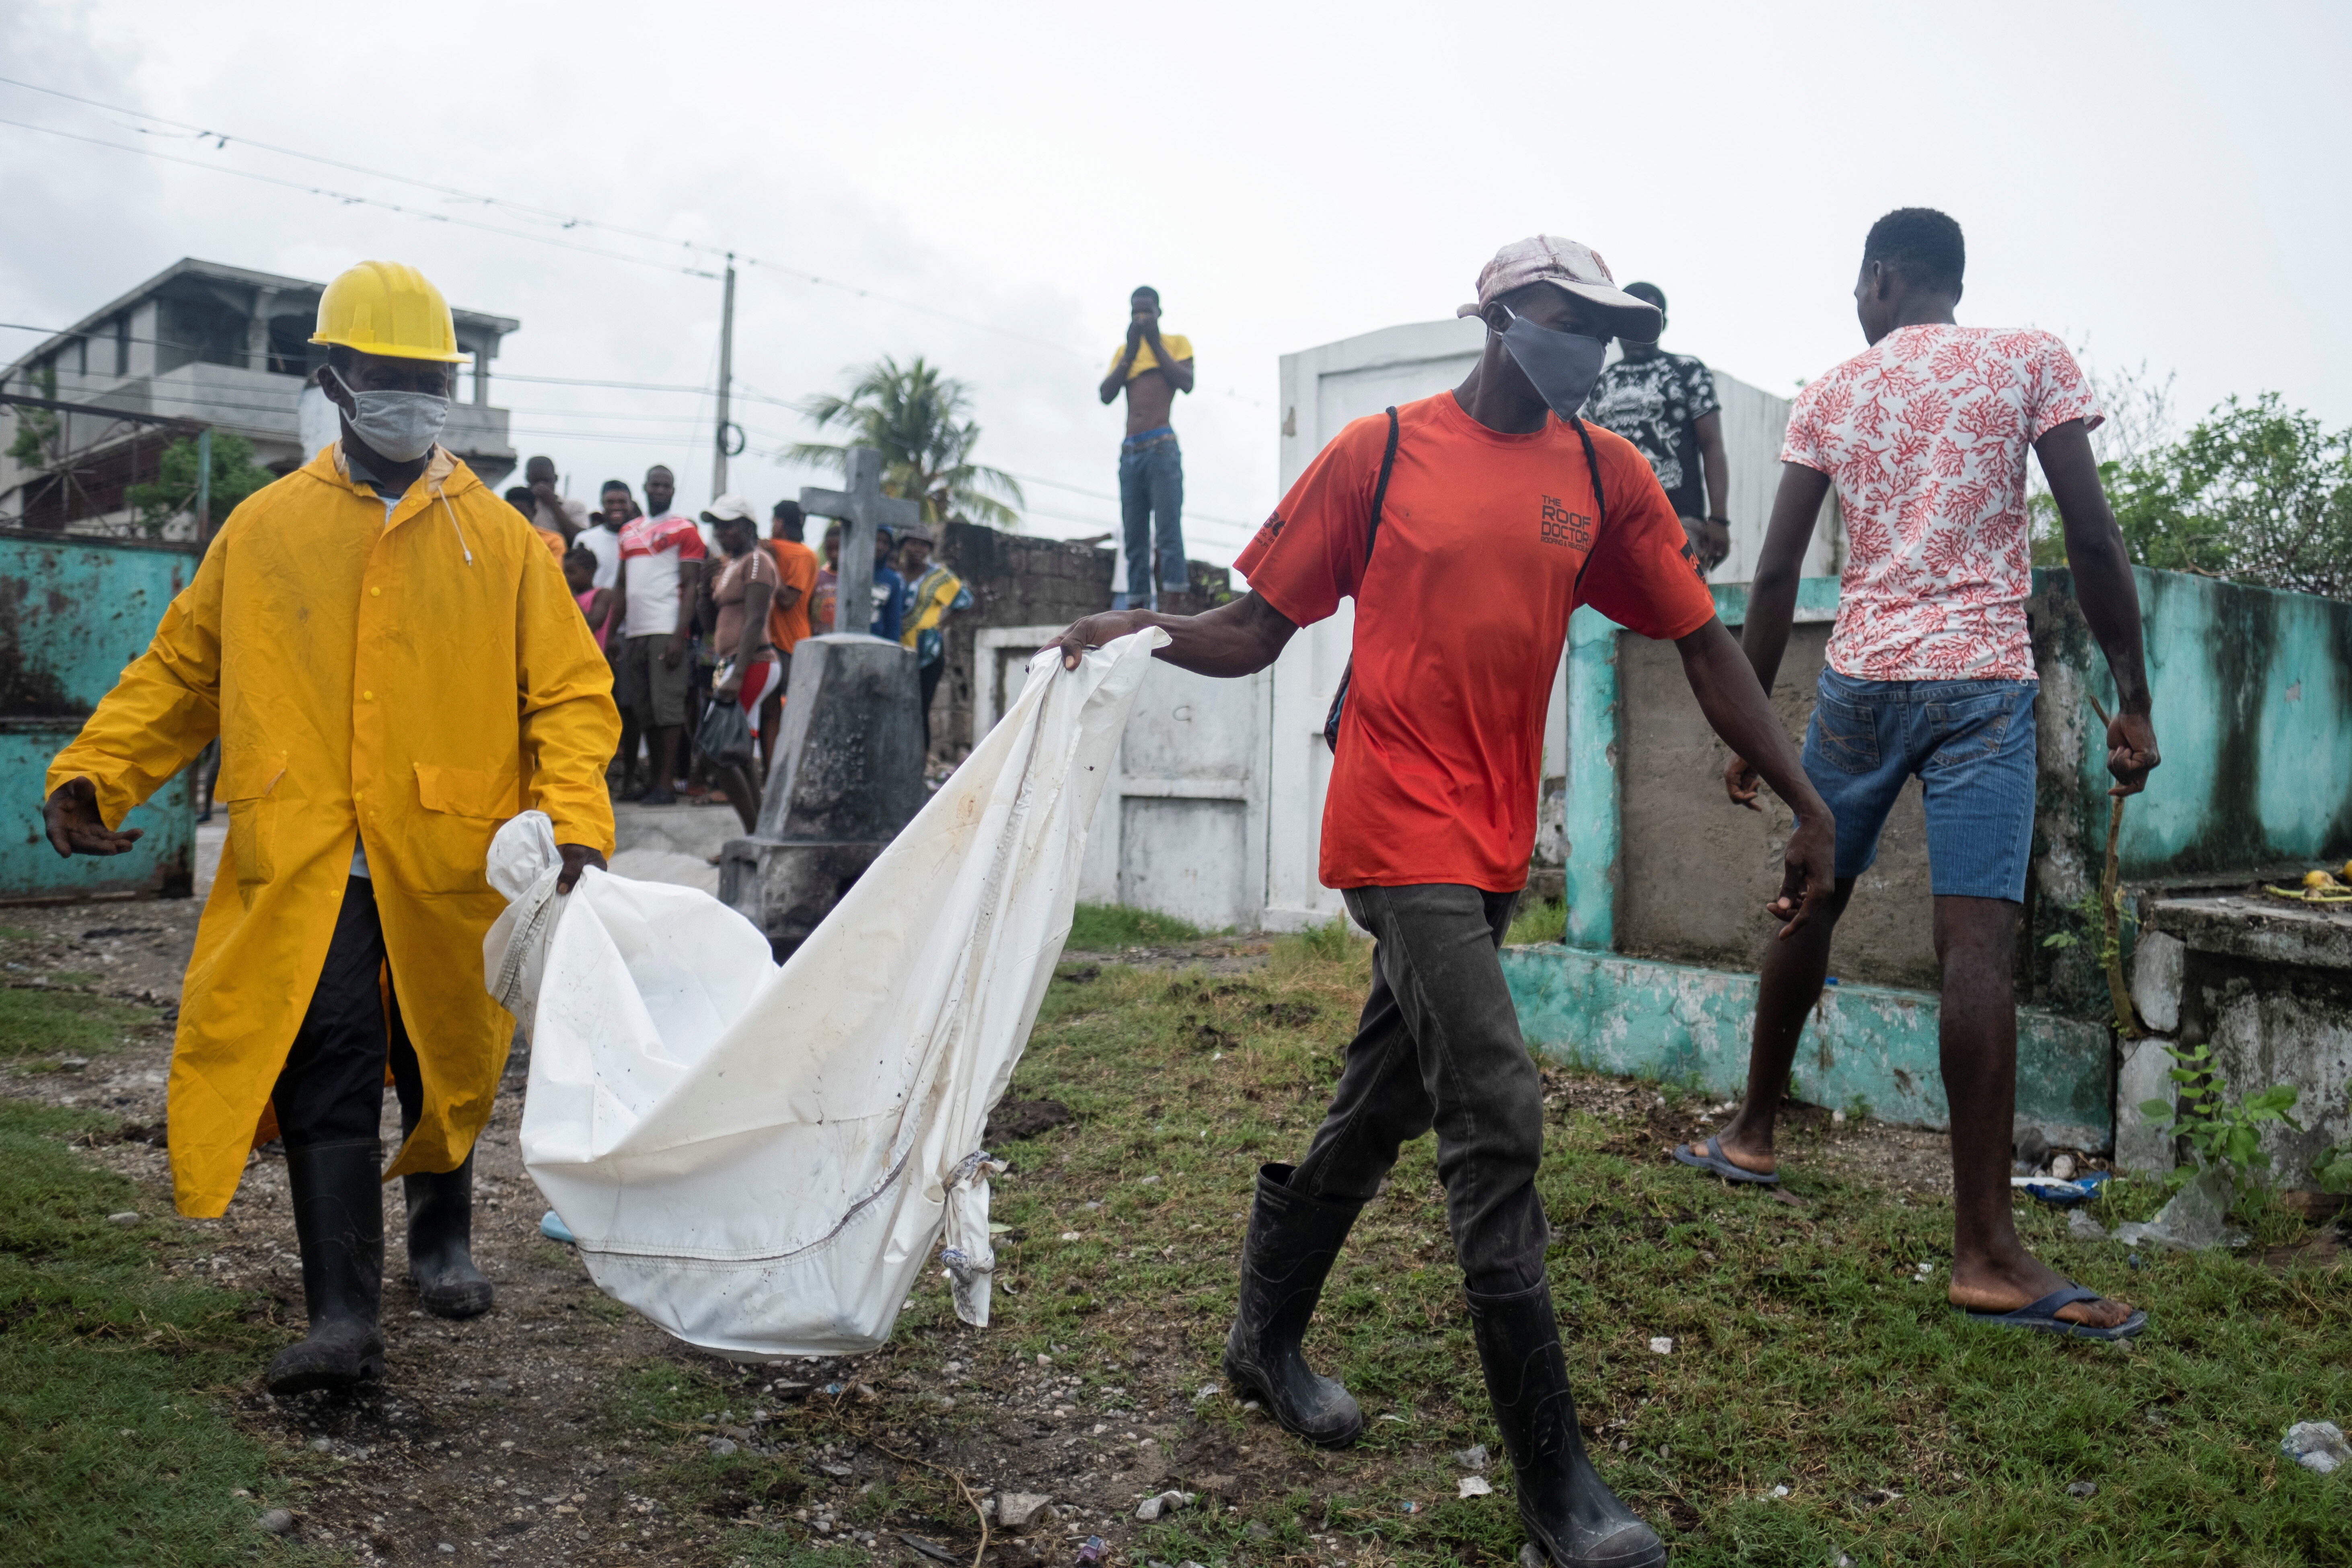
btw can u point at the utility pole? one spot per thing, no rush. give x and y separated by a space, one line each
720 453
204 484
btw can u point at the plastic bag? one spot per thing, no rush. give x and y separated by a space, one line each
761 1160
725 733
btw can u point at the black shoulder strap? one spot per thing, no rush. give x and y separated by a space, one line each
1600 501
1371 537
1381 490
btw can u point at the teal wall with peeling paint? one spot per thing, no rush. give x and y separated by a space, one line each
2253 706
1682 1023
73 612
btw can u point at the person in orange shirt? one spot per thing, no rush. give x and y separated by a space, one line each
520 498
788 610
1467 527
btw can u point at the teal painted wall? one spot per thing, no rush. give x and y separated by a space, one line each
2253 705
1679 1022
73 612
2252 708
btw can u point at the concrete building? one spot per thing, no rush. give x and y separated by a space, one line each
213 345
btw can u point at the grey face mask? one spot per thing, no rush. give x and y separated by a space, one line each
399 426
1562 365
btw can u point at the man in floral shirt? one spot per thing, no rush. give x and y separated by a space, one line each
1665 404
1930 672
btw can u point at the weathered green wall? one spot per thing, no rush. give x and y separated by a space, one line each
73 612
2253 706
1680 1023
2252 710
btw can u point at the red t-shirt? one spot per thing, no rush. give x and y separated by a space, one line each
1487 543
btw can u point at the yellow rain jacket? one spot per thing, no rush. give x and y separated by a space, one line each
412 682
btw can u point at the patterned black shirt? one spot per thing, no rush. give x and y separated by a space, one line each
1656 404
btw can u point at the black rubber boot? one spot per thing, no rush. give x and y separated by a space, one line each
1292 1242
441 1242
339 1224
1572 1517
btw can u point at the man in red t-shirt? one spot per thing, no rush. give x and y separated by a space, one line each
1500 514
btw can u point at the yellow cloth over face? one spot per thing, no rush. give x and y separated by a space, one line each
366 678
1178 344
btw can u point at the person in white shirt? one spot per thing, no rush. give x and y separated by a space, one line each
661 565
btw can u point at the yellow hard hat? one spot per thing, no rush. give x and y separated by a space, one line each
387 307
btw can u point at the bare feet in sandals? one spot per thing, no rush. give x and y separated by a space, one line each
2012 1283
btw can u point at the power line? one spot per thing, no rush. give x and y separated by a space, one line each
221 139
349 199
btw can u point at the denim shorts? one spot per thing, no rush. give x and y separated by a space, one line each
1971 744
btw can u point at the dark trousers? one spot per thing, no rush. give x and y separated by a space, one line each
930 675
1151 506
1438 1045
330 1090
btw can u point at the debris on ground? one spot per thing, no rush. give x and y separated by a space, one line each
2316 1445
1473 1486
2192 1219
1019 1512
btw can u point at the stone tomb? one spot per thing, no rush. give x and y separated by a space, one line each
849 764
848 777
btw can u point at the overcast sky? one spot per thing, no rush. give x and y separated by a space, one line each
2163 183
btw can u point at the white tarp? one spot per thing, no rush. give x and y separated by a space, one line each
761 1160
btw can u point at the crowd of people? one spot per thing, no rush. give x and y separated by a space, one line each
695 612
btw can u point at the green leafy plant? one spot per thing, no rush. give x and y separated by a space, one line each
2255 492
36 428
2332 1167
2219 1130
172 491
2091 912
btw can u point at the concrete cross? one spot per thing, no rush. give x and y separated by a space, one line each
861 510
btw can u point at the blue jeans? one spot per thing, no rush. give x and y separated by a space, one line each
1971 744
1152 490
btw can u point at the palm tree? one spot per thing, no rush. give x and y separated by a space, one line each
917 419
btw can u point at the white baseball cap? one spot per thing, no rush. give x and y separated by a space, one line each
1577 268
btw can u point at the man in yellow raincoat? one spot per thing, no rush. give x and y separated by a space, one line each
393 666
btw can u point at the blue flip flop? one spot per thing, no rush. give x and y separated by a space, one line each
2042 1316
1708 1156
551 1226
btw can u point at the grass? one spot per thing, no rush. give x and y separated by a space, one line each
1807 1351
35 1023
115 1436
1104 927
1545 919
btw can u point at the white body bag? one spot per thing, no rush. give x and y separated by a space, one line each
760 1159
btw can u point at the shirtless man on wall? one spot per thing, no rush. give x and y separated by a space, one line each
1152 370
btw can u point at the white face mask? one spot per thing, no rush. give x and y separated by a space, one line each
399 426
